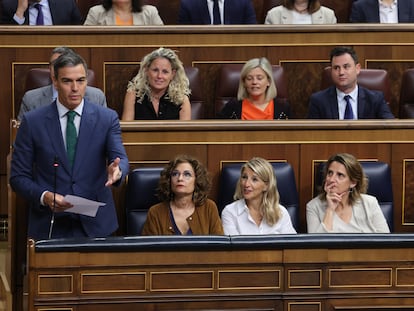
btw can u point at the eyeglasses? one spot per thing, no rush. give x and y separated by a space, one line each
186 175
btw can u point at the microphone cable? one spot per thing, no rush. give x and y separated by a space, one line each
52 220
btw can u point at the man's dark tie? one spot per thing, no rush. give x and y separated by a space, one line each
39 20
216 13
349 114
71 136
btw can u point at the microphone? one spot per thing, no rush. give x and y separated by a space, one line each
52 220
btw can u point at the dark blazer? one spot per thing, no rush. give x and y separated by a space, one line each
367 11
39 142
64 12
233 109
195 12
371 105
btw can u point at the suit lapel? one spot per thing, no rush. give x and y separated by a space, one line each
375 11
205 14
86 131
110 18
333 103
53 9
317 17
404 12
287 16
55 133
361 102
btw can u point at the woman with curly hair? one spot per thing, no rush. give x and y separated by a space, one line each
184 208
300 12
122 13
256 209
160 90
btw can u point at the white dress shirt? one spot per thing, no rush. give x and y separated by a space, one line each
210 4
342 102
236 220
33 12
301 18
62 111
388 14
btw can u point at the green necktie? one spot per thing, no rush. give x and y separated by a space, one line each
71 137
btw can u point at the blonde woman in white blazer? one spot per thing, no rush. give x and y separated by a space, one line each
123 13
300 12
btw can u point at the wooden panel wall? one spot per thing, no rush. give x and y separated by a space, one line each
114 54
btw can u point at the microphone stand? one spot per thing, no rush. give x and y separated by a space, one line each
52 220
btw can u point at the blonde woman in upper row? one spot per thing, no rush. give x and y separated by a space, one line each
123 13
300 12
160 90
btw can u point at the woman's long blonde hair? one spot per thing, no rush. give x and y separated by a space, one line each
270 201
179 87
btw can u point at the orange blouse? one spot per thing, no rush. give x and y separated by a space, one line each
251 112
120 22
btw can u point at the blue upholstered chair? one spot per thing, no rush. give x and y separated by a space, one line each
379 186
286 184
140 196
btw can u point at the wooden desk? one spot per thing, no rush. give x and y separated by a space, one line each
292 273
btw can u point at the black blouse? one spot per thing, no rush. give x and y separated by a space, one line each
167 109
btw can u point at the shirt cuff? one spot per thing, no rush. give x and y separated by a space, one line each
19 20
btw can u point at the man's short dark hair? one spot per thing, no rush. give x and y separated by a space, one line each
341 50
68 60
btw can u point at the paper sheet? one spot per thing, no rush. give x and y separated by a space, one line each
82 206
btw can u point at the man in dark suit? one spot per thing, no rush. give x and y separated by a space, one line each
200 12
48 163
346 99
53 12
389 11
45 95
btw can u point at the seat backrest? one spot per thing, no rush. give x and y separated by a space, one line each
141 194
373 79
379 186
85 5
38 77
227 83
286 184
196 97
406 106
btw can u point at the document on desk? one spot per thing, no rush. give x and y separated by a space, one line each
82 206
